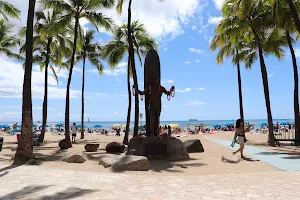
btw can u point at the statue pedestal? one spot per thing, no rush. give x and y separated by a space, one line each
156 148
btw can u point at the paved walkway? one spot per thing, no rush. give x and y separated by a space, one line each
279 160
41 183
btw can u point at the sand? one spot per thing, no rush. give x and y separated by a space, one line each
205 163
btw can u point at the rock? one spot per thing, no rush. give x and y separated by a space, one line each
131 163
74 158
65 144
91 147
108 159
176 150
33 162
115 147
193 146
35 143
230 159
136 146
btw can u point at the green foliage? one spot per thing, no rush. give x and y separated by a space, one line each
8 10
116 49
91 51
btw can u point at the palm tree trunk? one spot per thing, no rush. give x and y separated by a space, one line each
67 111
82 99
125 140
25 149
135 80
296 90
45 103
264 74
294 14
240 91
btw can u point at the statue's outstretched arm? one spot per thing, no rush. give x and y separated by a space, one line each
164 90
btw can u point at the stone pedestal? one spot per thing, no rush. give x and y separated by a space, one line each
156 148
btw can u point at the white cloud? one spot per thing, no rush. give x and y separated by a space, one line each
197 61
201 88
187 62
165 48
219 3
10 115
77 69
198 51
116 113
271 75
185 90
102 94
297 52
194 27
11 83
118 80
246 89
215 20
120 69
194 103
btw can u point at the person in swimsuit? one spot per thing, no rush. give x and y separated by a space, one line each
240 132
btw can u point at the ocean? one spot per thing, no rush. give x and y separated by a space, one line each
182 124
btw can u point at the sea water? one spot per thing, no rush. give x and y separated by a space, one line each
182 124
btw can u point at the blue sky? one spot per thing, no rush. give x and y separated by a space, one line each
205 90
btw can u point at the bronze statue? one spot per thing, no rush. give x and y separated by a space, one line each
153 92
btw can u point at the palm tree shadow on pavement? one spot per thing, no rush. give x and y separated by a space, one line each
31 191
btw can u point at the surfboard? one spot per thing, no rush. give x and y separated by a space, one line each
151 76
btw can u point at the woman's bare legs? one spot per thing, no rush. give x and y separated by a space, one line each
241 149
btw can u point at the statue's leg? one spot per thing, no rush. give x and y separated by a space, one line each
155 115
147 115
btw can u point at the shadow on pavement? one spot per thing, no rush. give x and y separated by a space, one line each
35 192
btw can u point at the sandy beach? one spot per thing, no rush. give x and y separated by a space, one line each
205 163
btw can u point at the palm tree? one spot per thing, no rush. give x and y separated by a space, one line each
230 43
25 149
50 45
116 50
283 18
293 11
8 10
132 62
75 10
264 37
90 51
8 42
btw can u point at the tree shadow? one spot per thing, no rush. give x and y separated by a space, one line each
3 174
7 168
29 191
164 165
269 153
69 193
292 157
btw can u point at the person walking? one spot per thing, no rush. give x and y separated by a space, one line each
239 137
74 132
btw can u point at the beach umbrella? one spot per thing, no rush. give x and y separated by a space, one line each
116 125
97 126
59 124
5 126
124 126
264 124
34 125
15 131
19 125
283 123
79 126
217 126
174 125
228 124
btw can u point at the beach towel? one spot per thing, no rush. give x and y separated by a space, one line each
234 140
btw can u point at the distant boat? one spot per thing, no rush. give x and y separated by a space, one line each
193 120
39 122
88 120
